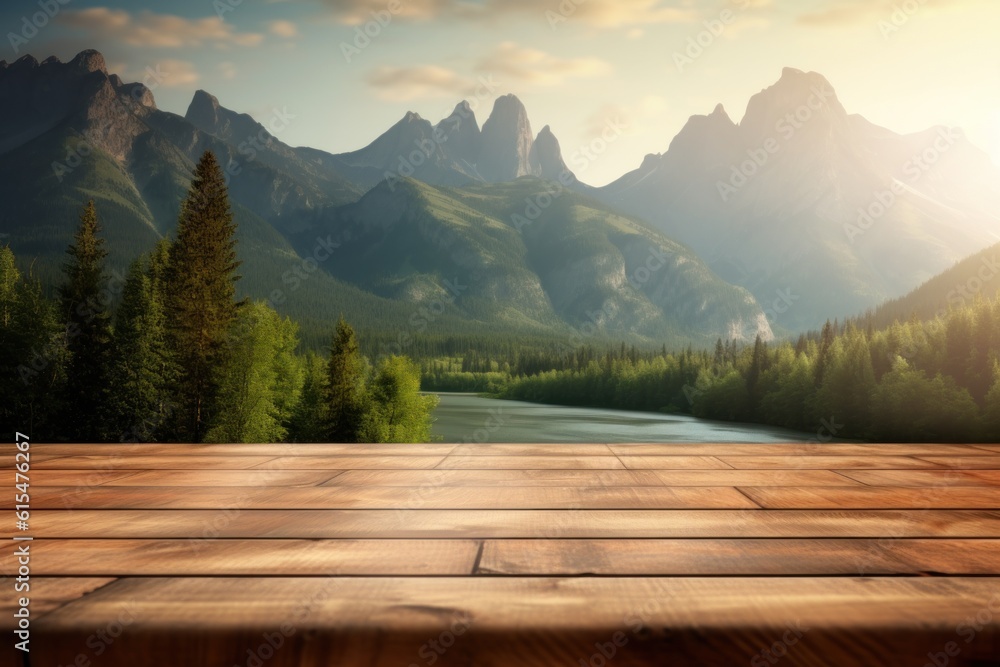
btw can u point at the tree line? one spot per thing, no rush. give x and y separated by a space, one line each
167 353
915 381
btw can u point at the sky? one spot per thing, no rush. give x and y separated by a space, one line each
343 71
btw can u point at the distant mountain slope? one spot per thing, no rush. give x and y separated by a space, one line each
527 254
801 196
975 277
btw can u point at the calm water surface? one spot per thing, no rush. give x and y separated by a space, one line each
470 418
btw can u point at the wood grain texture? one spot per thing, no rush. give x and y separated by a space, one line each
45 595
750 478
257 477
352 463
695 554
500 449
964 462
565 462
236 522
481 478
272 450
674 463
494 622
386 497
816 462
925 479
745 557
147 462
871 497
795 449
207 556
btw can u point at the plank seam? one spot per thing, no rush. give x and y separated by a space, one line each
747 496
479 558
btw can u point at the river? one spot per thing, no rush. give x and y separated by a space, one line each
471 418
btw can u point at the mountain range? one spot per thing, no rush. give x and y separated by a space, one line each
802 197
456 227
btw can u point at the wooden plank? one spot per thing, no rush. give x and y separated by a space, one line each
151 462
795 449
948 557
531 463
750 478
815 462
211 557
674 463
273 450
46 595
927 479
965 462
481 478
7 459
190 478
387 497
456 524
862 497
500 449
78 478
988 448
748 557
528 621
392 462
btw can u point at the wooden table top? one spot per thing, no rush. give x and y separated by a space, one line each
438 554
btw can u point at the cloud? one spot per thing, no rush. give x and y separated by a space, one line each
847 12
594 13
166 72
177 73
510 61
400 84
228 69
639 118
285 29
103 24
624 13
354 12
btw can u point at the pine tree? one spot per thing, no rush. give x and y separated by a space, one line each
85 301
345 386
991 412
10 278
825 343
758 364
201 295
32 355
311 416
143 368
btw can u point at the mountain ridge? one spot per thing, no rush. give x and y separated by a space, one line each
135 160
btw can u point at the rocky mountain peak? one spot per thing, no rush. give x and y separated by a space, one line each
203 112
25 62
704 137
462 133
546 156
505 148
720 112
796 100
89 60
